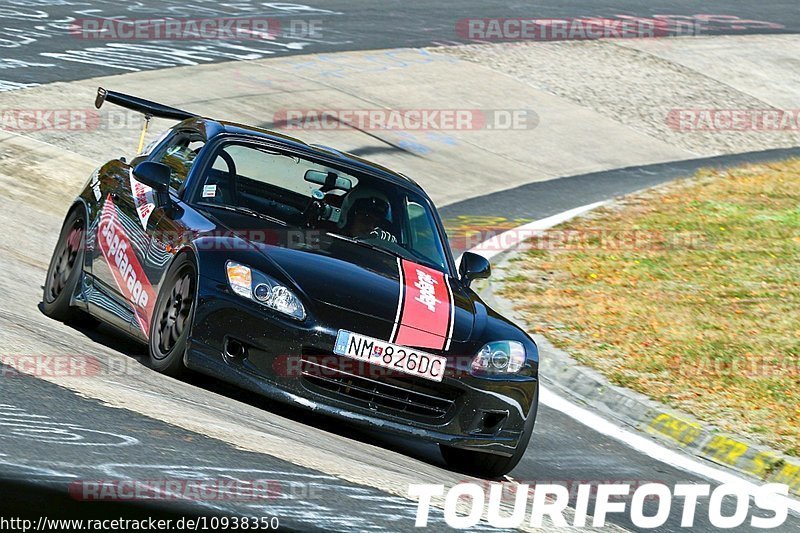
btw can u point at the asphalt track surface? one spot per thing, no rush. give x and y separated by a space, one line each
41 423
38 47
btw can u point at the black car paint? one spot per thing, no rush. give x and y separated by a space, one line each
337 294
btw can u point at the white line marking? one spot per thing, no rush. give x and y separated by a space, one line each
597 423
399 301
647 446
452 327
492 246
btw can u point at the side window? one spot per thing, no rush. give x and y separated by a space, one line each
179 154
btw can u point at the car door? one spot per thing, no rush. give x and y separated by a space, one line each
123 240
121 243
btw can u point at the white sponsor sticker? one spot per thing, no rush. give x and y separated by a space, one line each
143 199
94 182
209 191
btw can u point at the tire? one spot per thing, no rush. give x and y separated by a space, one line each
66 267
489 465
172 317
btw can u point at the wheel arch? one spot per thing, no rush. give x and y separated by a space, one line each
79 203
186 250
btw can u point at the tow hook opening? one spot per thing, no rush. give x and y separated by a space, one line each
234 349
491 422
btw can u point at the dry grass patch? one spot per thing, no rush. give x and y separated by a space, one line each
689 293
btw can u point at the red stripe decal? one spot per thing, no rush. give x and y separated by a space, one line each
125 267
426 304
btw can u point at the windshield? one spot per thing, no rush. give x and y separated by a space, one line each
302 193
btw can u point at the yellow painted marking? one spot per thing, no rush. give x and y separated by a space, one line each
763 463
678 430
725 450
790 475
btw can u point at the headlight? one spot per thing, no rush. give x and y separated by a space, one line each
501 357
254 285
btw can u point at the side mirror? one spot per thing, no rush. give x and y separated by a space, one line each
152 174
474 266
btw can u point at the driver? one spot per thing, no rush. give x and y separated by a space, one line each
365 217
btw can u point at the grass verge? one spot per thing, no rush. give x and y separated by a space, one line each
689 293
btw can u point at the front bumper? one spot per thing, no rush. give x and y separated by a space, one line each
293 362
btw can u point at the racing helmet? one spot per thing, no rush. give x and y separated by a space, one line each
361 201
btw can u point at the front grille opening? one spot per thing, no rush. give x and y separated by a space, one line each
398 395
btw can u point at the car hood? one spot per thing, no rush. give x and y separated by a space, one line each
368 291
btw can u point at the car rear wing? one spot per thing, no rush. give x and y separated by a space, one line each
146 107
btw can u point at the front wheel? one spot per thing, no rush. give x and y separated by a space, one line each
489 465
172 317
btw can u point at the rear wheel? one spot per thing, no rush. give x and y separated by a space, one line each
172 317
489 465
64 272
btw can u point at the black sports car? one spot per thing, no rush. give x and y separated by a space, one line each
302 273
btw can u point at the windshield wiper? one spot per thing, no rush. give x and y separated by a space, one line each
365 244
413 256
245 211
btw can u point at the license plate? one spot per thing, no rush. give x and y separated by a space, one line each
387 355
